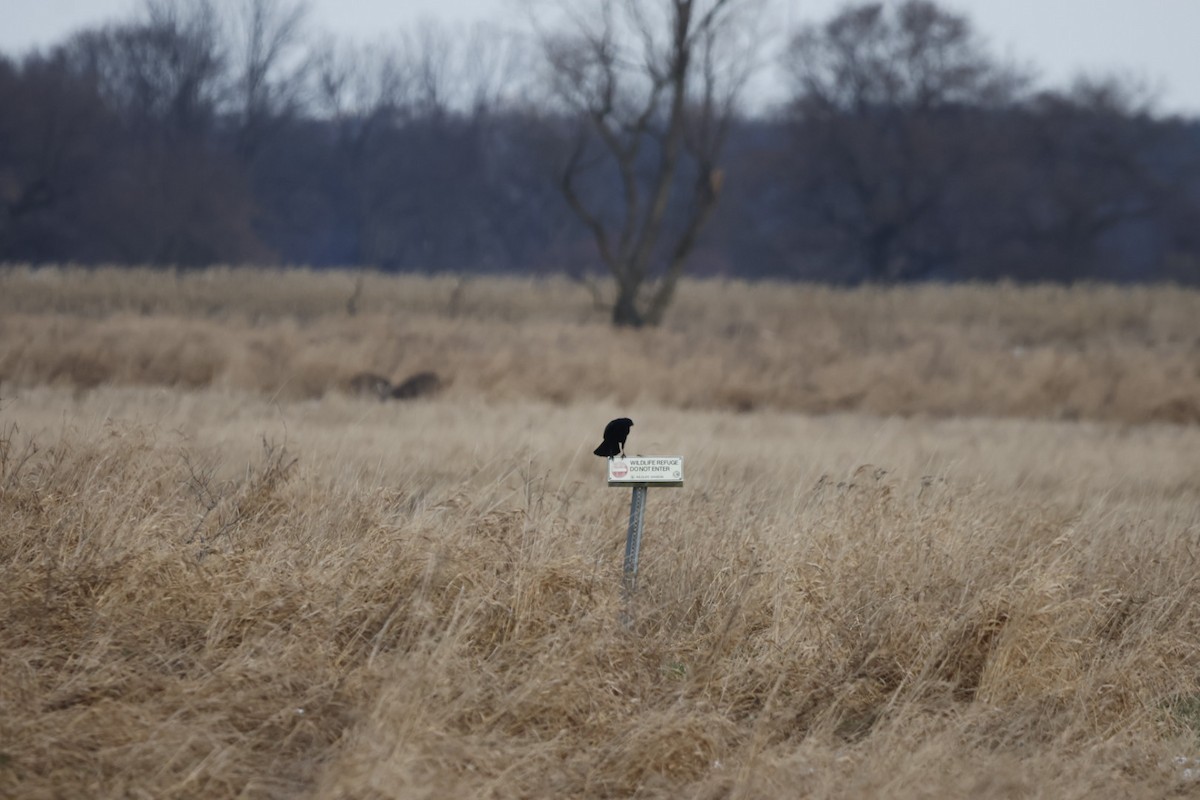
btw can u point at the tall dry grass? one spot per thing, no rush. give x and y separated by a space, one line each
221 577
1099 352
212 594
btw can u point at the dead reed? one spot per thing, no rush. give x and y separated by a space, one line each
971 573
207 593
1105 353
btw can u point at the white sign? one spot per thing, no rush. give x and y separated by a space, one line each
645 470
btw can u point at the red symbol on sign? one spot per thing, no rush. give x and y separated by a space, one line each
619 469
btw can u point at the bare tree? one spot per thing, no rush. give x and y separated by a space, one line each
470 70
1088 156
366 94
428 70
164 68
53 135
653 87
166 194
425 131
270 63
885 116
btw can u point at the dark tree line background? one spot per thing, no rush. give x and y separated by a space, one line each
197 133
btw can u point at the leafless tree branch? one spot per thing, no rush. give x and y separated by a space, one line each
658 91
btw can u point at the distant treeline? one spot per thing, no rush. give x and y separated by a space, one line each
181 137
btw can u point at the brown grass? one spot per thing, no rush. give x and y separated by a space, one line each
213 588
1104 353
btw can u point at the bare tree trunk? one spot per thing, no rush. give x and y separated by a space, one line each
625 312
655 93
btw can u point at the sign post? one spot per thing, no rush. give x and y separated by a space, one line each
641 472
633 538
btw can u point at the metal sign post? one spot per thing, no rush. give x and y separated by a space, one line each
633 538
641 472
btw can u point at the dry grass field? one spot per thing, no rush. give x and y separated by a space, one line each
1103 353
934 542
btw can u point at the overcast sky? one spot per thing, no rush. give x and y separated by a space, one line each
1154 40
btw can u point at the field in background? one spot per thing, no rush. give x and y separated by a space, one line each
1106 353
221 576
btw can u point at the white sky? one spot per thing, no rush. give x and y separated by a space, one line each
1157 41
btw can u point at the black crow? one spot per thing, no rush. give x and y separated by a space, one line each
615 434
